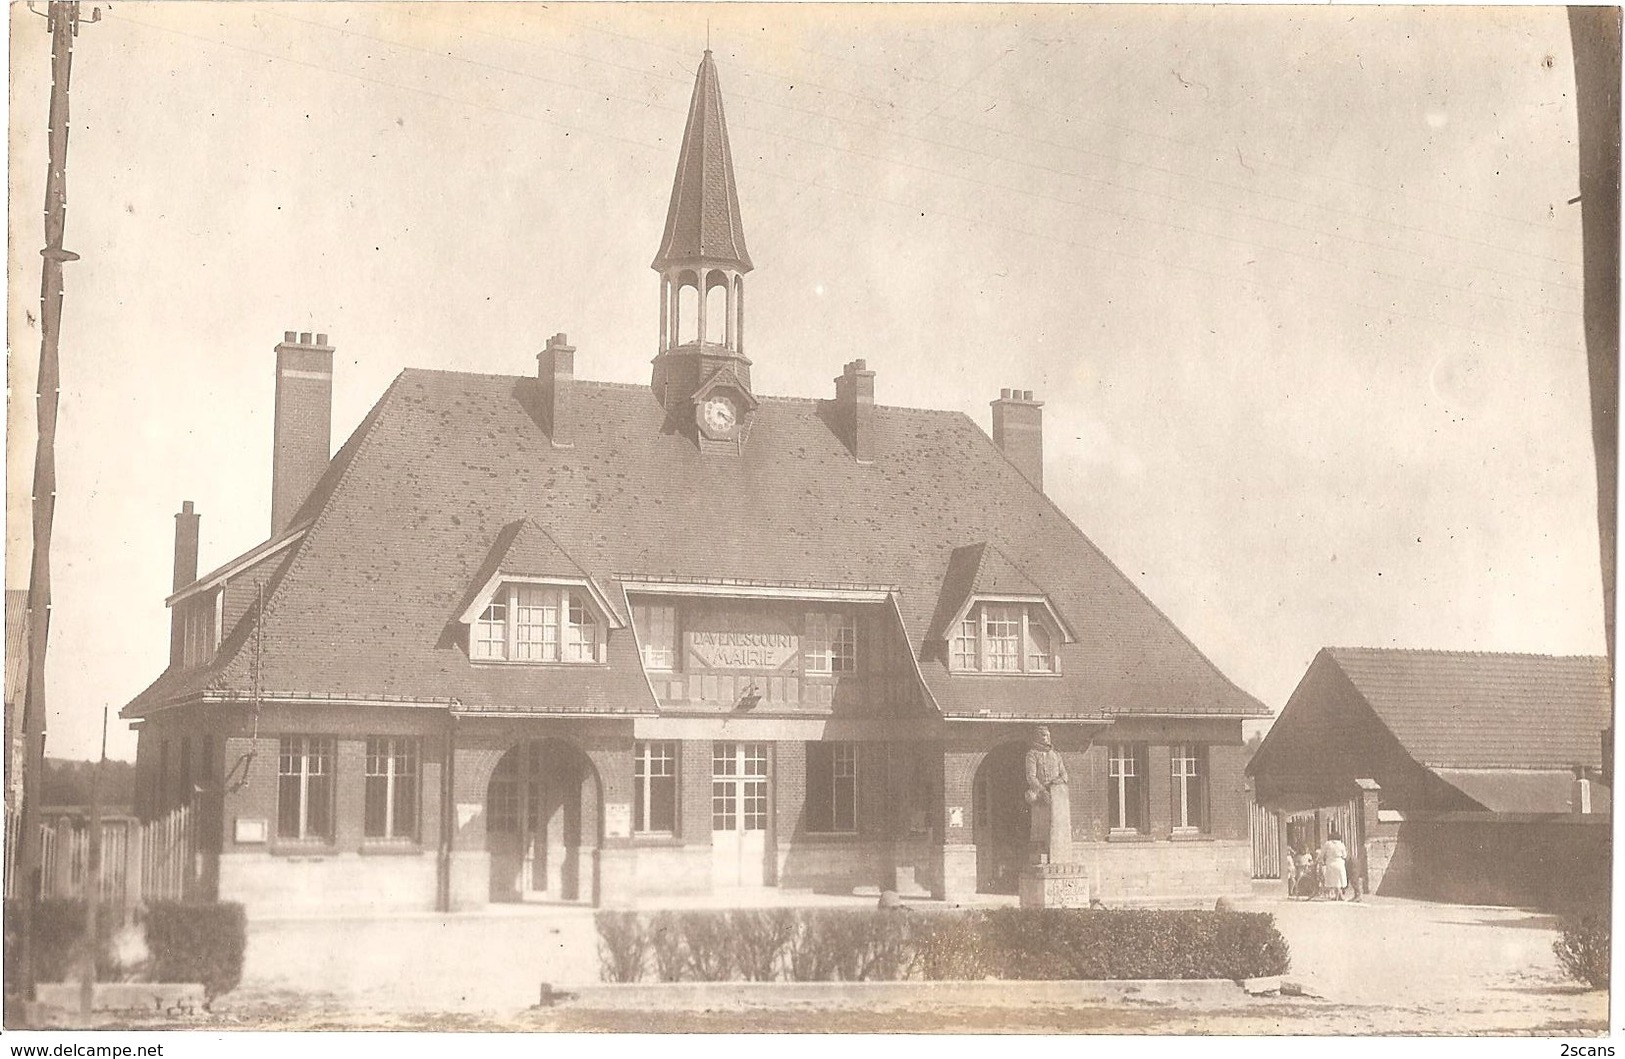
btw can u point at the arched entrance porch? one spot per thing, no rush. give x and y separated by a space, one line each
542 812
1001 820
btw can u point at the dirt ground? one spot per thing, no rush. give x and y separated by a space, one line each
1380 966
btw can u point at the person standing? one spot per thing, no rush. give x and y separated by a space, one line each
1334 857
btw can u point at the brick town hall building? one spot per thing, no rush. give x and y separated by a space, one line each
539 638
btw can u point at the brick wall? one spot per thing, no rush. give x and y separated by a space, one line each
1185 872
1544 864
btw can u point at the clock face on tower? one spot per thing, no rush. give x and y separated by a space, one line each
718 416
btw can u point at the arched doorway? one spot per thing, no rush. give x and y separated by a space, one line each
541 814
1001 820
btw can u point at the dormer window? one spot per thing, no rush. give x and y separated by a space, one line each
538 623
1003 637
831 642
200 628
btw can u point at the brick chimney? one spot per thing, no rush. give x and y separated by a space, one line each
855 409
1018 431
186 535
302 435
556 367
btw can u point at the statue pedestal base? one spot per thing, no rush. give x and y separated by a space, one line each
1054 886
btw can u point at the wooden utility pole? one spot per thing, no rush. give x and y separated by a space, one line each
63 22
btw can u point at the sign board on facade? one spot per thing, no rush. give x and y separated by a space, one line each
617 820
956 816
251 831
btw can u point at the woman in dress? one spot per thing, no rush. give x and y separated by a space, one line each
1334 855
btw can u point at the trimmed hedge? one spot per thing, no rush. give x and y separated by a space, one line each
813 945
197 941
187 942
1583 948
59 931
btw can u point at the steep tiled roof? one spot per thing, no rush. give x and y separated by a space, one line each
703 219
1522 790
977 569
447 461
1475 710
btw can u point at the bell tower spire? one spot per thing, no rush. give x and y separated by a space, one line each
702 259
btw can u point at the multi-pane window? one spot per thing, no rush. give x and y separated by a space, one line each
304 788
392 789
832 787
1189 785
831 643
654 788
199 628
1125 787
1040 653
538 623
657 628
966 641
1003 638
739 787
490 637
580 631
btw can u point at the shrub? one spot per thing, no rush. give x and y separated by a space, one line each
197 941
758 939
623 942
952 947
1583 948
707 946
813 954
889 945
666 941
59 932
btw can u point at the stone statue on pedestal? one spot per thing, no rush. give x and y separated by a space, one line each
1051 805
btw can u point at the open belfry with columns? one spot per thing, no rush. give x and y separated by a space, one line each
537 638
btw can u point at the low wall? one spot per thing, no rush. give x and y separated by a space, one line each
1552 863
1130 872
277 884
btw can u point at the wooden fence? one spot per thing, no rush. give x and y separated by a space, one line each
152 860
1266 835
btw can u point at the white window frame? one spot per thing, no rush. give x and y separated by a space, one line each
1186 769
644 761
540 623
970 647
657 636
829 643
400 761
201 618
307 751
1122 765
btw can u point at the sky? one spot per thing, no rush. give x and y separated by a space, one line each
1300 288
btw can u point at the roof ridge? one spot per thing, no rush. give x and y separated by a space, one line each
1448 652
615 384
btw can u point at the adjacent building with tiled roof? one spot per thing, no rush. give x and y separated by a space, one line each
1441 729
544 638
1469 775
